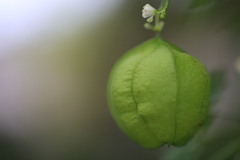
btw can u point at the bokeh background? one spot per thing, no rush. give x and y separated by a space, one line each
55 59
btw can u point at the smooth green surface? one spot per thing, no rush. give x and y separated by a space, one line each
158 94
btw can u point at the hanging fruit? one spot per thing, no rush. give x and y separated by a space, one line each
157 93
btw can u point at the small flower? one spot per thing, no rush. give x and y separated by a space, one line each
148 12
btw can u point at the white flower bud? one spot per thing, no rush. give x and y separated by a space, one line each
148 11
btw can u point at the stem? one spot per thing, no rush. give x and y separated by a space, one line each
164 5
161 14
156 19
163 8
156 25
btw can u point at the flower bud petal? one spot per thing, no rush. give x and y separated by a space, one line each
148 11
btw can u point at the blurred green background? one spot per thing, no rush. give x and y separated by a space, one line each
55 59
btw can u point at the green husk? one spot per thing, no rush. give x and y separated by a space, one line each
158 94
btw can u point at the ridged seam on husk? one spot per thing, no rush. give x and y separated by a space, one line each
112 100
175 70
134 71
177 90
173 52
175 106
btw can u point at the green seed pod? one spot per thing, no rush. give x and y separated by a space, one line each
158 94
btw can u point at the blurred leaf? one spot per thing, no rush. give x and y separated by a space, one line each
227 150
217 85
226 11
184 153
233 22
200 3
223 146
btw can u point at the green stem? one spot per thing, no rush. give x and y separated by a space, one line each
161 14
157 19
163 8
164 5
156 23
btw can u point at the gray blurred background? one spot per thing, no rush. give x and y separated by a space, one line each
55 59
